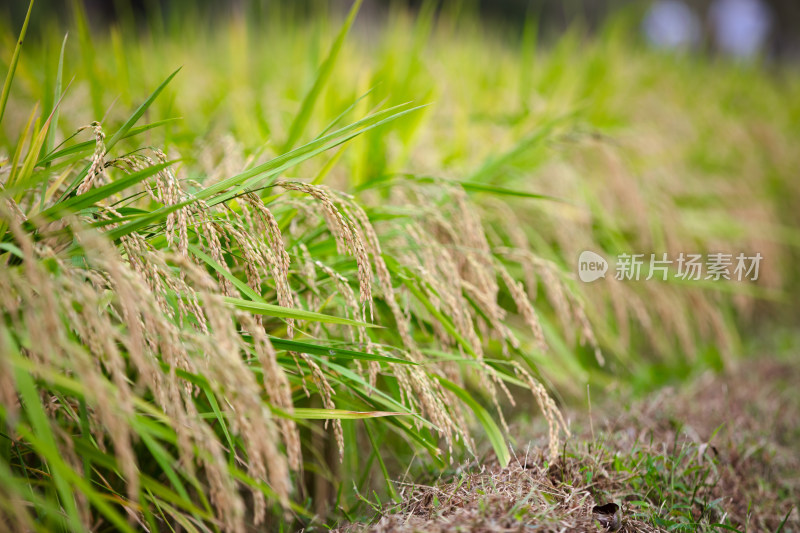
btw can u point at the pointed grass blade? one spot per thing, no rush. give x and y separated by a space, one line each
489 425
123 131
323 75
334 353
51 132
93 196
310 413
12 67
260 308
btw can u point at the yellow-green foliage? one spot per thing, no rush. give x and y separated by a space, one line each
194 262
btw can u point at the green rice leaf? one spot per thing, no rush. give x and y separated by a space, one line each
255 175
88 146
12 68
260 308
51 132
323 75
41 436
384 472
494 165
123 131
336 353
309 413
251 178
243 287
96 195
133 119
493 432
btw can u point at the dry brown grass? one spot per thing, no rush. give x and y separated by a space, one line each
525 495
662 450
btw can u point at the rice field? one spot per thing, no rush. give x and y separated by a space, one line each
257 267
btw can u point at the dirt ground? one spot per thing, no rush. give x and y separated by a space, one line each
722 454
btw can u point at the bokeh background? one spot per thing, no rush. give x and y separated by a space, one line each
777 20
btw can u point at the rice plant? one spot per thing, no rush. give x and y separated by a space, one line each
241 292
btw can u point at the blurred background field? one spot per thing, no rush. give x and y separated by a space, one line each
544 130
